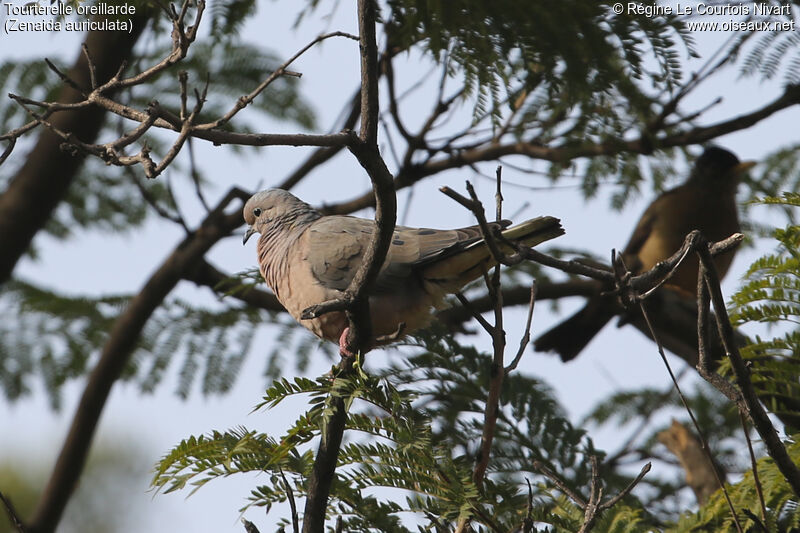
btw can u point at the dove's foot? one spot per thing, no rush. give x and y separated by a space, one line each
343 350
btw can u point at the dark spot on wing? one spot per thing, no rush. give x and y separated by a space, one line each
426 232
398 242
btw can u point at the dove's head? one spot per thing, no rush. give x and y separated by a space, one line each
276 210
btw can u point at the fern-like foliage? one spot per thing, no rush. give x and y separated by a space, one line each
534 46
781 502
775 50
109 199
228 17
409 447
49 335
771 296
453 379
639 415
213 344
58 338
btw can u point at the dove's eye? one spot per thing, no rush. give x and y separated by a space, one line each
257 212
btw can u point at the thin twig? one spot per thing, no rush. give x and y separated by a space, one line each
476 207
756 412
592 510
477 316
523 343
612 459
154 203
195 175
181 40
594 507
91 66
244 101
13 517
9 148
116 353
359 333
292 504
700 434
613 501
754 468
66 79
560 484
703 363
183 79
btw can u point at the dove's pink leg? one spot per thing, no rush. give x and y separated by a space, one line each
343 351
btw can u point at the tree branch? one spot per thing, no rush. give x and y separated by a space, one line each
116 353
32 194
359 337
458 158
13 517
756 412
204 274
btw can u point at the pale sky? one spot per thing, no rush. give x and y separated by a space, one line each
97 264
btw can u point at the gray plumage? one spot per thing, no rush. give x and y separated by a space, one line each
307 258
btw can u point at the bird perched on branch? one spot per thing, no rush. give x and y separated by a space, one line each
705 202
307 258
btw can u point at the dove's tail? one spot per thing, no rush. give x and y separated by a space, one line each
456 270
534 231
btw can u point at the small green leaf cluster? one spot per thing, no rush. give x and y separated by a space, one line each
57 338
409 449
770 296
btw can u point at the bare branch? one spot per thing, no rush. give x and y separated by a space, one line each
523 342
613 501
116 353
704 366
393 107
157 207
560 484
292 504
66 79
90 66
411 174
475 314
182 38
489 237
695 423
754 467
755 411
10 148
247 99
13 517
592 510
359 334
595 506
455 316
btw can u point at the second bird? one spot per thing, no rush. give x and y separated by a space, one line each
705 202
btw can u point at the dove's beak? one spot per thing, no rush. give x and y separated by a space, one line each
248 234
